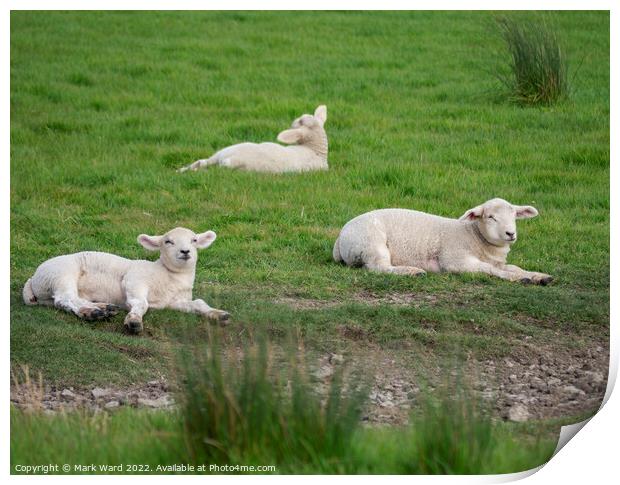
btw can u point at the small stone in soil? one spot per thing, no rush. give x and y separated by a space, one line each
518 413
160 402
97 392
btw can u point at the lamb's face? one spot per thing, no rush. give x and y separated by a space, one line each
498 223
496 220
305 127
306 121
178 247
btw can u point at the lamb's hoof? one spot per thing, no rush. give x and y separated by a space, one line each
223 318
537 279
95 314
544 281
108 309
134 326
219 316
112 309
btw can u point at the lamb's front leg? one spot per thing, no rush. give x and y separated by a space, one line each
201 308
477 266
530 276
474 265
506 272
138 305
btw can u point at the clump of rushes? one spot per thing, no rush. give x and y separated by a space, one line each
450 434
247 408
537 73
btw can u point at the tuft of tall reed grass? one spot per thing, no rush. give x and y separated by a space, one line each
451 434
251 408
537 70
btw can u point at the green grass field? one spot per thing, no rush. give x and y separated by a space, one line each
105 107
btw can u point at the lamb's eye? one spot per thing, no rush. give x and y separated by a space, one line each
168 241
194 240
492 218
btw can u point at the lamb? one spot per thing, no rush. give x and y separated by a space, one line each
409 242
95 285
307 150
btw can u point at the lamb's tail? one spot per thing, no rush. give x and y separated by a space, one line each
336 252
198 164
28 294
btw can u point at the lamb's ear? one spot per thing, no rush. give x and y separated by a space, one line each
321 114
291 136
149 242
205 239
525 211
472 214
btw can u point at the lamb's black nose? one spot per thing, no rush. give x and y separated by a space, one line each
510 234
185 251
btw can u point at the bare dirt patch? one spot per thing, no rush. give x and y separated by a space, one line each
155 394
549 381
367 298
537 381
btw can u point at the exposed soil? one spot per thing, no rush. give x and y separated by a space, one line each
365 297
550 381
154 394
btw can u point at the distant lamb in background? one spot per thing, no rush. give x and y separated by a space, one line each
93 285
307 150
409 242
